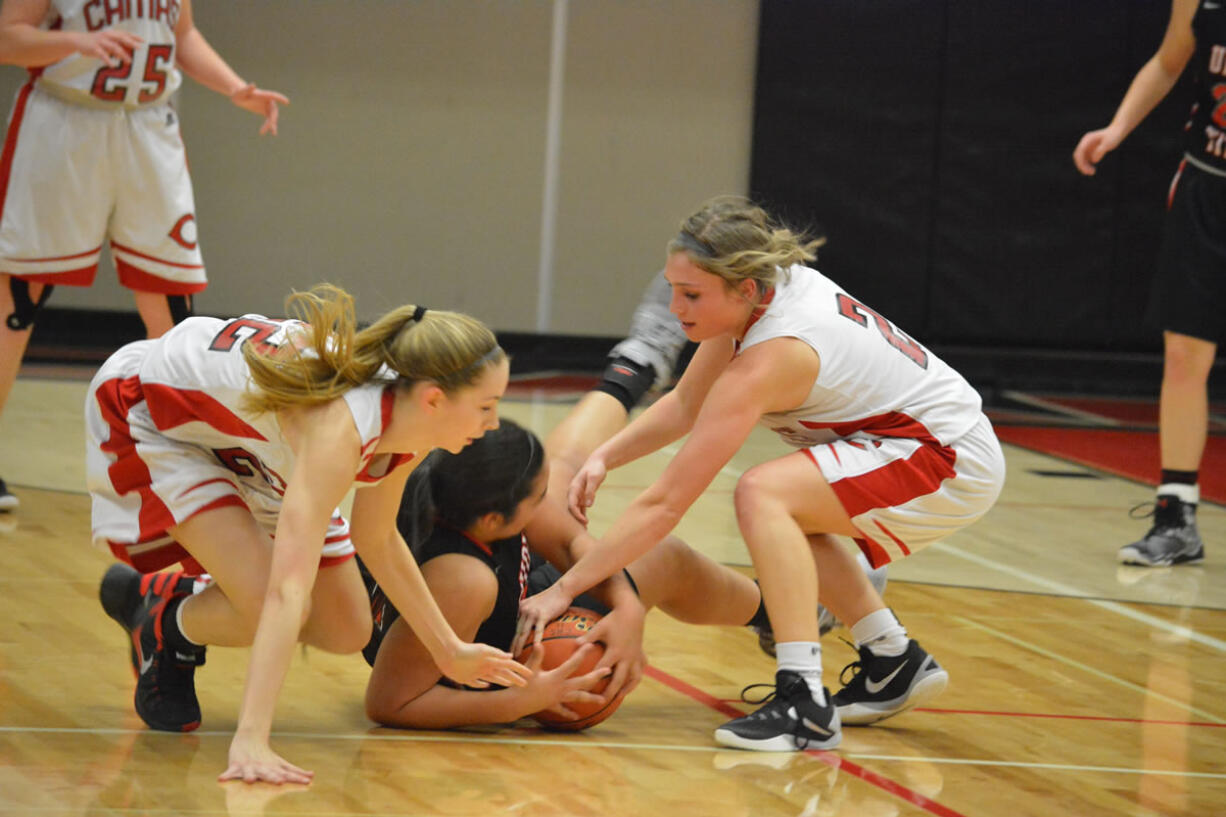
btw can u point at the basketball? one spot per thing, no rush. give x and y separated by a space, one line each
559 643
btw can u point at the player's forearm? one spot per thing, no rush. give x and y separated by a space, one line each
199 61
615 590
32 47
271 652
1151 84
662 423
400 577
443 707
634 533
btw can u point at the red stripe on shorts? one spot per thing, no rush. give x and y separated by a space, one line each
137 279
129 472
10 141
898 482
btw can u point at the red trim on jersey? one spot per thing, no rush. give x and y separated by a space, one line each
758 312
387 403
890 424
170 407
484 548
80 277
138 280
10 140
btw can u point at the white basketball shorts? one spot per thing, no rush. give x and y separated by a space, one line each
903 494
72 177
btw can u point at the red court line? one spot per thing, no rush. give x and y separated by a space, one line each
829 758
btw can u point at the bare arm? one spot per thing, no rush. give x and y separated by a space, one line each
23 43
671 417
404 688
326 457
772 376
388 558
202 63
1153 82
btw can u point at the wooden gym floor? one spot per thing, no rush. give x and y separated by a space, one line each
1078 687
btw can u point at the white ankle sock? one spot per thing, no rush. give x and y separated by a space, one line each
805 658
1189 494
882 632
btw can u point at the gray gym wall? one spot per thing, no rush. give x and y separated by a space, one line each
410 167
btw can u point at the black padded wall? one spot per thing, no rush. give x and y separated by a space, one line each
932 141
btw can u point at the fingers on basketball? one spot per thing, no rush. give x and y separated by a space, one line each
560 646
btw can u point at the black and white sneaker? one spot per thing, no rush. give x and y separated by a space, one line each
882 686
1172 540
8 502
789 720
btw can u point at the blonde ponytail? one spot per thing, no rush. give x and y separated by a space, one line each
332 356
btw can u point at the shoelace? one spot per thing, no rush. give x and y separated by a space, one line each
855 667
1151 512
767 698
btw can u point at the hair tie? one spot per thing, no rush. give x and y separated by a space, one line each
419 313
693 243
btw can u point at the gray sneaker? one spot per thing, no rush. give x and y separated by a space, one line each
825 619
656 338
8 502
1173 539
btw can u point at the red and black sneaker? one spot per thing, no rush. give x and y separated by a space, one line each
165 678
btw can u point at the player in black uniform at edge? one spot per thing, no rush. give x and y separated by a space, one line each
1189 293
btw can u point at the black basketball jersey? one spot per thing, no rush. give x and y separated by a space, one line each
1205 142
509 559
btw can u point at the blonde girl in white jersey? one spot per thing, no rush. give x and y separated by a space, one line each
895 454
93 155
230 443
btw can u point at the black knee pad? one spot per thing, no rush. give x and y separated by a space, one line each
180 307
627 381
25 310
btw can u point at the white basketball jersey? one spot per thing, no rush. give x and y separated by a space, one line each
193 380
874 379
149 78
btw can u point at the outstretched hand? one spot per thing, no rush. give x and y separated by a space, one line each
582 492
261 103
479 665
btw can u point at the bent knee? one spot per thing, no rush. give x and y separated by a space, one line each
756 488
340 634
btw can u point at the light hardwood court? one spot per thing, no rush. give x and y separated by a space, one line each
1078 687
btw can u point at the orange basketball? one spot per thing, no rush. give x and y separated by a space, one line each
559 643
